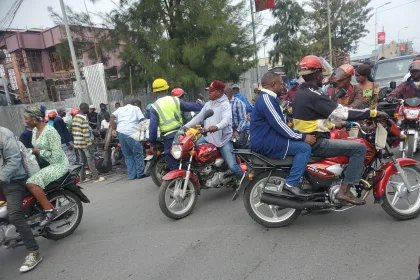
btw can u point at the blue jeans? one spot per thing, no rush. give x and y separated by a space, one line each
228 156
355 151
301 152
133 153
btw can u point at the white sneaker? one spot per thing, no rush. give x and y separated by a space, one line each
100 179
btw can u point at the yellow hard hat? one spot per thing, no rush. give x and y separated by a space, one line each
159 85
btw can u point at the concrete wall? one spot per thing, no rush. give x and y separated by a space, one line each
38 91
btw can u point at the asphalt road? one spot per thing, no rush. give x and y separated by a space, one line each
124 235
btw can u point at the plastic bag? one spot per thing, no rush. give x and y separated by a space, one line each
142 133
29 160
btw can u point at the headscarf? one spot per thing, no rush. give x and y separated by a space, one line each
365 70
36 112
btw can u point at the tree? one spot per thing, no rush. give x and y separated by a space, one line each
187 42
286 35
348 25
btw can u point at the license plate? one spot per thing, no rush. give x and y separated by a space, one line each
148 157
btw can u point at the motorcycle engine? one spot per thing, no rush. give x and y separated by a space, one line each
8 232
219 179
207 173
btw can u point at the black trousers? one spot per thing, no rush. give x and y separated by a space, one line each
15 193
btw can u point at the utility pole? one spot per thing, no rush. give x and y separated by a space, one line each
329 30
255 41
72 52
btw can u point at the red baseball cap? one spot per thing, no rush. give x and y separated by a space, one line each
216 85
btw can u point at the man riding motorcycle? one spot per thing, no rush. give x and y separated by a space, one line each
12 184
312 111
166 114
219 125
271 136
345 93
411 87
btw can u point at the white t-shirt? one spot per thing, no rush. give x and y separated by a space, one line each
104 124
406 77
127 117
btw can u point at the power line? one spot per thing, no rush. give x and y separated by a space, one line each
398 6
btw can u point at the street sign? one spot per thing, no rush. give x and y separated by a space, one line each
261 5
402 48
381 38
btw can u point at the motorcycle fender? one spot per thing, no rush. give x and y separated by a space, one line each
385 172
182 173
78 191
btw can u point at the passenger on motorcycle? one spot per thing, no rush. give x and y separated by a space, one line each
12 184
345 93
312 111
219 125
271 136
165 113
410 88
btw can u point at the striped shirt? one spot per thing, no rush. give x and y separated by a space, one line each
81 134
238 114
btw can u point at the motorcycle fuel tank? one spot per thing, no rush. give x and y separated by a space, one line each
207 153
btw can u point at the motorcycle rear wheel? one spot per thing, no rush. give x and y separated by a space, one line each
57 198
253 205
168 204
391 205
158 170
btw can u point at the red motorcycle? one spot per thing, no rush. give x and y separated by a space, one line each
395 182
67 198
201 167
408 119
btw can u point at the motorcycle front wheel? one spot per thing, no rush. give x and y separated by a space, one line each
397 201
409 149
270 216
170 202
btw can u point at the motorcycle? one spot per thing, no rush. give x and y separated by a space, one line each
408 119
156 163
67 198
269 204
201 167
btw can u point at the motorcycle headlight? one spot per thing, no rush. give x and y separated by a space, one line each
176 151
411 114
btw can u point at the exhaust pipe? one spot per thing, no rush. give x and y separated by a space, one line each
293 203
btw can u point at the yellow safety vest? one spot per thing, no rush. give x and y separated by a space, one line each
168 109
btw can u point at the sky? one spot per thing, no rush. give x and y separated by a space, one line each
393 17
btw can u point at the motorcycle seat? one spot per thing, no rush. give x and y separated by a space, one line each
286 162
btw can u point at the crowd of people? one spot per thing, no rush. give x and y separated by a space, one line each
57 140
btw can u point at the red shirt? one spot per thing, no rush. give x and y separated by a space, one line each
290 95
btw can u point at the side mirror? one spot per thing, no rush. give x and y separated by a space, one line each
393 85
382 93
208 114
192 114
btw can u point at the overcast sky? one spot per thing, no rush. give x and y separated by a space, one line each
397 15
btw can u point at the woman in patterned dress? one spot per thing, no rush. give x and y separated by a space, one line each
47 145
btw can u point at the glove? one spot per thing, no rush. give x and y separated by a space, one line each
382 115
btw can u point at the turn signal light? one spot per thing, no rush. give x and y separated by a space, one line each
396 115
250 176
290 124
158 152
192 153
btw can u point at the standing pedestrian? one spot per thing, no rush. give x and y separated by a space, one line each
66 138
92 117
102 115
239 120
83 143
127 117
236 92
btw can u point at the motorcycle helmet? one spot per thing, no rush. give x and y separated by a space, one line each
178 92
310 64
343 72
159 85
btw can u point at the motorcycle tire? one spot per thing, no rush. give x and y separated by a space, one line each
386 204
162 201
410 147
78 203
155 170
249 194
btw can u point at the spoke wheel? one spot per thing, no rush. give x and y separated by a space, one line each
69 206
398 201
170 201
158 170
268 215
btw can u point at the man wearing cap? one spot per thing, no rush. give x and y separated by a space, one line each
102 115
345 93
241 97
219 125
165 113
291 93
66 138
92 117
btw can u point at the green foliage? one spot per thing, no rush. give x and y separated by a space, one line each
288 46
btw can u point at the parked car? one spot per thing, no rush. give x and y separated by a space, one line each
391 70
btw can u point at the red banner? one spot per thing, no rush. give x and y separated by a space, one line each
402 48
261 5
381 38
